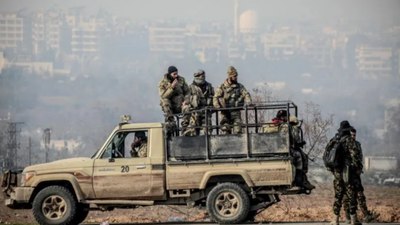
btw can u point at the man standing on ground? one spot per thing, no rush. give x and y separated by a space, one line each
344 174
361 200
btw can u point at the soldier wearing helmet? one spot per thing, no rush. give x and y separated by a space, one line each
139 145
231 94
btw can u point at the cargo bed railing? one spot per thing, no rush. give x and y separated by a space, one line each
210 142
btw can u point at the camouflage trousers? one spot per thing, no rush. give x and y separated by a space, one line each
343 189
170 108
360 198
197 123
300 159
231 120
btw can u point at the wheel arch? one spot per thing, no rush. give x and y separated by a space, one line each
223 176
69 183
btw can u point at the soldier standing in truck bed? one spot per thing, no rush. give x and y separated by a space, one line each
231 94
174 98
201 94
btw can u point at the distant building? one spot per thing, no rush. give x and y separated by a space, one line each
318 50
46 32
11 31
248 28
85 39
42 68
177 42
281 44
374 62
380 163
2 61
170 41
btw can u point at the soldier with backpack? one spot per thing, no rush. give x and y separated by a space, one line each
346 164
361 199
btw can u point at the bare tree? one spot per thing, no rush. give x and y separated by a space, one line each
316 129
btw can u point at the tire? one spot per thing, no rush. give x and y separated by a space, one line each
228 203
82 212
55 205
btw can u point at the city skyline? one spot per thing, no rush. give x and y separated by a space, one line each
381 12
80 63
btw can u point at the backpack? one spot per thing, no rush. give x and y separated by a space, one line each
332 153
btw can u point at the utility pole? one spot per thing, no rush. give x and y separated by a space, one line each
13 144
30 150
46 142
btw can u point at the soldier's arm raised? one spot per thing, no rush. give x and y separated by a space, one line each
165 90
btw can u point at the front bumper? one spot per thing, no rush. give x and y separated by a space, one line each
15 197
19 198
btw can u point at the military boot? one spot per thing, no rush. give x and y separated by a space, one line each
371 216
354 220
348 219
335 220
307 184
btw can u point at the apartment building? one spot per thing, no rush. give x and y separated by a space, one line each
281 44
170 41
374 62
11 31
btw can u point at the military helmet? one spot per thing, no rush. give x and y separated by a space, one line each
232 72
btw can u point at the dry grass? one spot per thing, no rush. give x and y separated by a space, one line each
314 207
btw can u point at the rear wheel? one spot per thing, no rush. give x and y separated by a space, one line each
228 203
55 205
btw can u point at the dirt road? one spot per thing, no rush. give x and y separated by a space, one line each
303 208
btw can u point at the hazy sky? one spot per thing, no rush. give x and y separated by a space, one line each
204 10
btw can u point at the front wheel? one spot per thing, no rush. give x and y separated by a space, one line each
55 205
228 203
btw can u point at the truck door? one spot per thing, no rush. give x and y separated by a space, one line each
119 173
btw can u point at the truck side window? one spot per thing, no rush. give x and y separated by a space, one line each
136 144
115 148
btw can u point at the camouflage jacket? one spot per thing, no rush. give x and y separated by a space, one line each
359 154
353 155
197 99
208 92
231 95
141 151
176 95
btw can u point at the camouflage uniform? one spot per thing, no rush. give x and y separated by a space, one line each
141 150
299 157
231 94
361 199
172 98
204 92
197 102
139 145
344 176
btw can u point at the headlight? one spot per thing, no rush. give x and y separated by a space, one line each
26 177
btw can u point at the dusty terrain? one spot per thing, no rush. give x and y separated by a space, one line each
314 207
